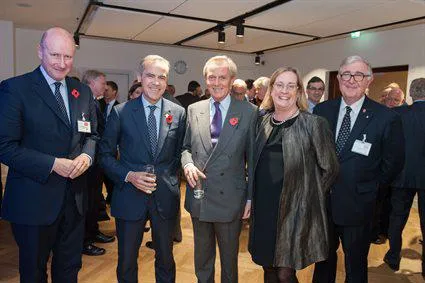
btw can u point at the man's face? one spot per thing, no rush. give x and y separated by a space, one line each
315 91
394 98
98 86
352 90
57 55
110 93
219 81
198 91
154 81
238 92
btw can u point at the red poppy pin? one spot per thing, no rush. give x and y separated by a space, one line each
168 118
234 121
75 93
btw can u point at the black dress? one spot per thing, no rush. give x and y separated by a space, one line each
268 188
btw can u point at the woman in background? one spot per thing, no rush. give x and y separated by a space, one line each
135 91
295 165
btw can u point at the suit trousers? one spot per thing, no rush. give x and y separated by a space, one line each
64 237
227 235
130 236
94 189
355 244
401 201
381 215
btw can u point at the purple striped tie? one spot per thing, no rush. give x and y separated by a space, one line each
216 124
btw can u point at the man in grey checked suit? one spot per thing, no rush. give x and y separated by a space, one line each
218 142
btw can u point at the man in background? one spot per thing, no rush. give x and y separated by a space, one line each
239 89
315 91
97 82
193 94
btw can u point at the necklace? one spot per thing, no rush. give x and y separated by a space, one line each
283 121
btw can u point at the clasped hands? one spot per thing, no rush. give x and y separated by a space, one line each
69 168
146 182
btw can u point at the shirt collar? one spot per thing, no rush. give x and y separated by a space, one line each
225 103
146 103
49 79
355 107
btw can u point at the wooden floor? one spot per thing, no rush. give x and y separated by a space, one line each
102 269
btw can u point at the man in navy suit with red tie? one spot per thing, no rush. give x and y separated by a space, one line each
47 138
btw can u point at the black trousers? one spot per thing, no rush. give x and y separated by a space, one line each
401 201
94 190
381 216
130 236
355 242
64 238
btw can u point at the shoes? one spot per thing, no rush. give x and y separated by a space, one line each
103 216
380 240
177 240
102 238
92 250
146 229
393 266
149 245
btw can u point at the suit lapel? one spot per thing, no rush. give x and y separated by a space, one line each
262 137
164 127
141 124
42 89
73 102
203 120
363 118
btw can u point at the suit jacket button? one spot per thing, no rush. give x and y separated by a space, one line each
221 174
221 192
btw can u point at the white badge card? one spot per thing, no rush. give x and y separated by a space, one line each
362 146
83 125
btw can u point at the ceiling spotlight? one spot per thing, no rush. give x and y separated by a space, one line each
257 59
240 30
77 39
221 37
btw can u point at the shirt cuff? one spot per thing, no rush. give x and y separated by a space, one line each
89 157
126 176
187 164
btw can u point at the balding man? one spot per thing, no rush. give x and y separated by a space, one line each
47 138
239 89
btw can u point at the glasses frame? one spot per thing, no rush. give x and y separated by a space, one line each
283 87
358 77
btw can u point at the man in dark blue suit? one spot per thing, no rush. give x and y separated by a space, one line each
147 130
47 138
369 144
411 180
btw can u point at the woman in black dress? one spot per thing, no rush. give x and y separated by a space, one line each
295 164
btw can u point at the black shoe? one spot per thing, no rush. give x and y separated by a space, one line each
177 240
149 245
393 266
103 216
146 229
92 250
102 238
380 240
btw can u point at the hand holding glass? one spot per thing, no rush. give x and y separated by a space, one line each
150 169
198 192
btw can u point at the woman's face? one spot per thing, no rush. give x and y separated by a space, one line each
284 92
260 92
136 93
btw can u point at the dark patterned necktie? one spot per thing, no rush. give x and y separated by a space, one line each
152 129
216 124
344 131
59 99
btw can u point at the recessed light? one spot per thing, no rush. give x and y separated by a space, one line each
23 5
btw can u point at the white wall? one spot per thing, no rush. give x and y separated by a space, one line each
385 48
6 50
124 56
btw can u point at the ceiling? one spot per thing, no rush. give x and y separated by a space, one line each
268 25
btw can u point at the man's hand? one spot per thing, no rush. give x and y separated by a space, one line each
146 182
192 174
247 211
79 165
62 167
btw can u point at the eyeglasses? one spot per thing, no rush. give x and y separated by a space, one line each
358 77
282 87
316 89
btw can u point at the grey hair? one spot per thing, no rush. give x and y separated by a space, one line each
356 58
150 59
221 60
91 75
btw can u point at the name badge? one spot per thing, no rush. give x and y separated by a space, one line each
362 146
83 125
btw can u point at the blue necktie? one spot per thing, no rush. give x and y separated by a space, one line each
216 124
344 131
59 99
152 129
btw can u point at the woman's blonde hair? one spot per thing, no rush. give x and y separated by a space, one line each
268 104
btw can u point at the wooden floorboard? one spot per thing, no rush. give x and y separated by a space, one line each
102 269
